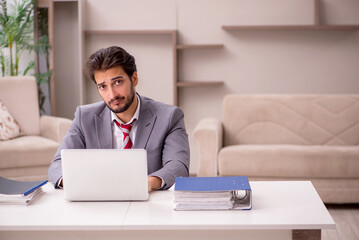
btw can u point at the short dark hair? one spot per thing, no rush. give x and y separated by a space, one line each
110 57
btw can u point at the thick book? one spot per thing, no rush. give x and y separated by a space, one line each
20 192
212 193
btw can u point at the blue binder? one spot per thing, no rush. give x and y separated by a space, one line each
212 193
12 187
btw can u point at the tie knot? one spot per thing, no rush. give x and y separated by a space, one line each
125 127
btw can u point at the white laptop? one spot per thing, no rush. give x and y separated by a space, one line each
105 174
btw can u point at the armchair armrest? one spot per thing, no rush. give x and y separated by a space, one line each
54 128
209 137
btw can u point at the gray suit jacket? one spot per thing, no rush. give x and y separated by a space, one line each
160 130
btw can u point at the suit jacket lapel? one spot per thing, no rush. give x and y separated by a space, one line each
104 129
145 125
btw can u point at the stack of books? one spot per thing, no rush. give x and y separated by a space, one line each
20 192
212 193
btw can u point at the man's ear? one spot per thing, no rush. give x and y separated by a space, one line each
135 79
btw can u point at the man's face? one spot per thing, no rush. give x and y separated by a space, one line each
116 88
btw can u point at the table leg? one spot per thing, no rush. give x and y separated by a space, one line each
307 234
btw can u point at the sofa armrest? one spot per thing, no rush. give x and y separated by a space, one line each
54 128
209 136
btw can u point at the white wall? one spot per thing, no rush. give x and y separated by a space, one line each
153 53
130 15
293 61
153 49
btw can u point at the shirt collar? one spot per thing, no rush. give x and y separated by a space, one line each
135 116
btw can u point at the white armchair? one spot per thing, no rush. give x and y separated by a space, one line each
28 156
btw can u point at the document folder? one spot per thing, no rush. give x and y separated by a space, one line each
20 192
212 193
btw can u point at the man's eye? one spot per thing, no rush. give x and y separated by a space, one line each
101 87
118 82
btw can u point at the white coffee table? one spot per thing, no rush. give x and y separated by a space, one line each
281 210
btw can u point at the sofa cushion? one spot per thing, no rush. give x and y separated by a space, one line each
27 151
290 161
19 94
291 119
9 128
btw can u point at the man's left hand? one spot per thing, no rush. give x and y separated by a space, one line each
154 183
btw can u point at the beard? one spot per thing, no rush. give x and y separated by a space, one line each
125 106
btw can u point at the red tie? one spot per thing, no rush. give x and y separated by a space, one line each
126 128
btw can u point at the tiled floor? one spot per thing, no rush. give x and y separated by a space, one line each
346 218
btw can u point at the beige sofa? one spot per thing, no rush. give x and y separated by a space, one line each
286 137
28 156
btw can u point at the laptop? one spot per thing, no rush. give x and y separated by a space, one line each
105 174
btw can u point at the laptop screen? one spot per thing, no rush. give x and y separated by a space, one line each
105 174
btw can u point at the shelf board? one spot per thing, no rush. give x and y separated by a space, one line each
199 46
290 27
199 84
65 0
113 32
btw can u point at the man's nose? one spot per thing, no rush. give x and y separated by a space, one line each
112 93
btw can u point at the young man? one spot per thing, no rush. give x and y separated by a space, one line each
150 125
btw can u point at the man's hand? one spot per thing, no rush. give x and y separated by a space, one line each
154 183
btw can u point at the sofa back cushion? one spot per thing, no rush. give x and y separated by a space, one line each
19 95
291 119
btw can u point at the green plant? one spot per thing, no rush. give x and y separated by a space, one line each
42 48
17 36
16 33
